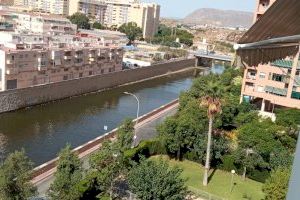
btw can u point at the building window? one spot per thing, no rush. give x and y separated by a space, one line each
262 75
260 88
66 70
90 73
80 75
278 77
102 71
65 77
11 84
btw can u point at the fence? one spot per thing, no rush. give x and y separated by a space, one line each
204 195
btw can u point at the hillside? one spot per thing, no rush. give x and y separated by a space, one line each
222 18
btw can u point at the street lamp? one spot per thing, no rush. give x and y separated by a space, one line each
137 114
231 185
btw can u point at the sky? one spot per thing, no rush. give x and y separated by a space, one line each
181 8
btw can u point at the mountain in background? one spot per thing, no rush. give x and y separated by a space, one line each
222 18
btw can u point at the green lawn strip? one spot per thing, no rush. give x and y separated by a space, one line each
219 183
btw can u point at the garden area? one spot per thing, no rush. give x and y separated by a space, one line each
193 155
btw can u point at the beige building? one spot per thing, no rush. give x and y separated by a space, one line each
94 8
275 84
22 67
146 16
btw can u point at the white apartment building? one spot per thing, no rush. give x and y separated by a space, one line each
44 24
24 65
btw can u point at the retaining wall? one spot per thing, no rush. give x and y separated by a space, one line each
20 98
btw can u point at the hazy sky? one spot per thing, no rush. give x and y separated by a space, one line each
180 8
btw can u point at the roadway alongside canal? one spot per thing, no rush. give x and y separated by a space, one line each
43 130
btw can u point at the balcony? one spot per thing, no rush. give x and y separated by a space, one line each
276 91
12 71
67 57
9 61
42 68
78 55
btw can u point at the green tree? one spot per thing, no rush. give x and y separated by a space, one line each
132 31
125 135
212 101
97 25
68 175
81 20
276 185
156 180
105 165
15 176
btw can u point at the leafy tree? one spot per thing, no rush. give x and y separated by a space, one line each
276 185
125 135
97 25
68 175
212 101
81 20
280 158
289 118
132 31
181 131
156 180
15 176
105 164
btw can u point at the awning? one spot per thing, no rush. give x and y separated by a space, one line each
274 90
275 35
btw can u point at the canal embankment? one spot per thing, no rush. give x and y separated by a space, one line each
20 98
43 174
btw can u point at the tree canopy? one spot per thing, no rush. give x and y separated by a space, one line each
156 180
132 31
81 20
68 175
15 176
98 25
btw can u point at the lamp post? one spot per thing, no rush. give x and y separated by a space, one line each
231 185
137 114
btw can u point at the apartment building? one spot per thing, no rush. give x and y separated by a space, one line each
261 7
25 66
146 15
117 12
7 2
44 23
94 8
273 84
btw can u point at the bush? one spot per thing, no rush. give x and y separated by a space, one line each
146 148
259 175
227 163
192 156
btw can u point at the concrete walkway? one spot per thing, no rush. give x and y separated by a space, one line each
145 130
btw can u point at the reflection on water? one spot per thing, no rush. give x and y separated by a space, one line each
43 130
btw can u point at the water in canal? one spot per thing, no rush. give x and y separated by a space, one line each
43 130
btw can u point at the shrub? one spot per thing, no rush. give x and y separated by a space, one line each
227 163
259 175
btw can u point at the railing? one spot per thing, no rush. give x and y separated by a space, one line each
204 195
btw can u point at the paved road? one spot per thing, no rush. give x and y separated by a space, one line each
145 130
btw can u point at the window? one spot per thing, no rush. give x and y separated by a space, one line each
66 70
90 73
278 77
65 77
260 88
102 71
262 75
80 75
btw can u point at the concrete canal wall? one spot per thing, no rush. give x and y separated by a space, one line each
19 98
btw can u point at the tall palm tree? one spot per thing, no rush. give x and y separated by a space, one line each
213 92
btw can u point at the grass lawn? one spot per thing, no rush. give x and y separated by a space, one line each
219 183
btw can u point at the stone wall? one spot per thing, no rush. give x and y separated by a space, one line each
19 98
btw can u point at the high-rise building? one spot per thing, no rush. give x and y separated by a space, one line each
146 16
93 8
275 84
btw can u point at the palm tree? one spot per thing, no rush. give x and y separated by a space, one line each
212 101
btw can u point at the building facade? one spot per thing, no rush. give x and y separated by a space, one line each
275 84
25 66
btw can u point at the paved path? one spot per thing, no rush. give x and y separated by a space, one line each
145 130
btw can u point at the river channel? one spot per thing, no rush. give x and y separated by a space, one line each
43 130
